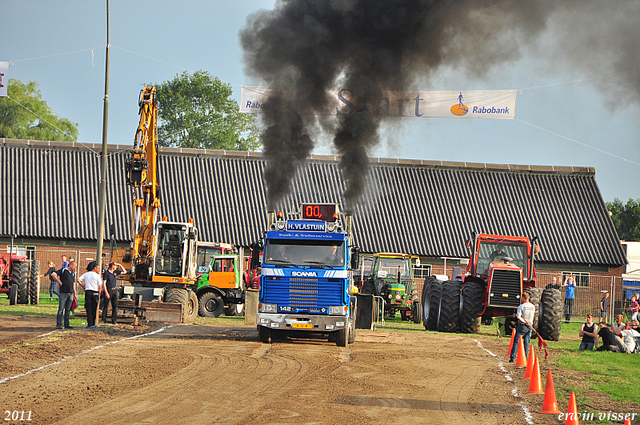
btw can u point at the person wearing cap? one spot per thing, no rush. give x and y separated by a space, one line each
588 332
91 281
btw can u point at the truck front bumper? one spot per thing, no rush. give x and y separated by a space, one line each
302 322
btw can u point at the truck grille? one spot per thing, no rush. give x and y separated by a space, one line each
304 294
506 286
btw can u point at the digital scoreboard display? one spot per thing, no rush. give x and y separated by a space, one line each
323 212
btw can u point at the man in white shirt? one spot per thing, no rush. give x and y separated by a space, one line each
524 314
92 283
629 338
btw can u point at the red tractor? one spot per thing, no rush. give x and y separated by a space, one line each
20 278
500 269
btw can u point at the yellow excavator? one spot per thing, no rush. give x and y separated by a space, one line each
163 254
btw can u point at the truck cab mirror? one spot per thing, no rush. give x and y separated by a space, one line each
193 234
355 257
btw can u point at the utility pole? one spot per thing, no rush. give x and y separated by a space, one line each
103 166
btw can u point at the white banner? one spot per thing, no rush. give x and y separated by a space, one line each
486 104
4 79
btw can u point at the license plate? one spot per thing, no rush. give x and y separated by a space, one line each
302 325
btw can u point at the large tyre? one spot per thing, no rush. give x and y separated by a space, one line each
234 310
509 325
432 305
352 330
13 294
449 306
534 298
192 309
180 296
34 282
264 334
342 337
550 314
416 310
211 305
20 277
472 293
369 287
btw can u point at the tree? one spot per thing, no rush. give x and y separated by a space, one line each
24 115
195 111
626 218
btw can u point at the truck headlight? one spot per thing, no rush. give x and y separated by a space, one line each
338 310
268 308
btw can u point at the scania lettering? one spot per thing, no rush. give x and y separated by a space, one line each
306 283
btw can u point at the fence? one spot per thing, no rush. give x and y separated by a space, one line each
44 256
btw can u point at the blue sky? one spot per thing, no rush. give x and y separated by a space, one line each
50 42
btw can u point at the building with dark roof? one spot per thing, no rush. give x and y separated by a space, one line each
426 208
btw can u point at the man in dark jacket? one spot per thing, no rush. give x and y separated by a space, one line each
68 293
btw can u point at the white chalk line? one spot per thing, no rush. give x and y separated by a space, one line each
516 393
2 381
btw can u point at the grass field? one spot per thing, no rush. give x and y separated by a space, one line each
613 374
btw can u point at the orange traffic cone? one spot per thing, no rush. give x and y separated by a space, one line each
535 387
550 403
521 359
627 421
530 361
572 412
513 335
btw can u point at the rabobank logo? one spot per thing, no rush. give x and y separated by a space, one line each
460 108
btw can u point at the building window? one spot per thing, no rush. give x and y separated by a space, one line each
582 279
422 271
31 252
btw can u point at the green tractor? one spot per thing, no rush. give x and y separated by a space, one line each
391 278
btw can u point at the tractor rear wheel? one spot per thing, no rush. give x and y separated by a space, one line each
234 310
472 293
416 311
550 314
34 282
534 298
432 305
20 277
180 296
211 305
449 306
13 294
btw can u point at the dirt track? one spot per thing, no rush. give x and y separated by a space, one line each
207 374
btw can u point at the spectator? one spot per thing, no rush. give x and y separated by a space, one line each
110 278
569 296
629 337
92 283
65 263
53 285
618 326
589 333
524 315
67 294
635 306
553 284
604 307
609 341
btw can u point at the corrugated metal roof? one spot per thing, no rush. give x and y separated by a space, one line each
426 208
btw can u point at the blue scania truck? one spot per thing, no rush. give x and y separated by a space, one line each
306 285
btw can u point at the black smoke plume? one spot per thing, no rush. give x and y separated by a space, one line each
304 47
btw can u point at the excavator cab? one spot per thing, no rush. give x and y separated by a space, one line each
176 250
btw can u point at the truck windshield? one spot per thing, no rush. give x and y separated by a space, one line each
491 251
390 267
279 252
